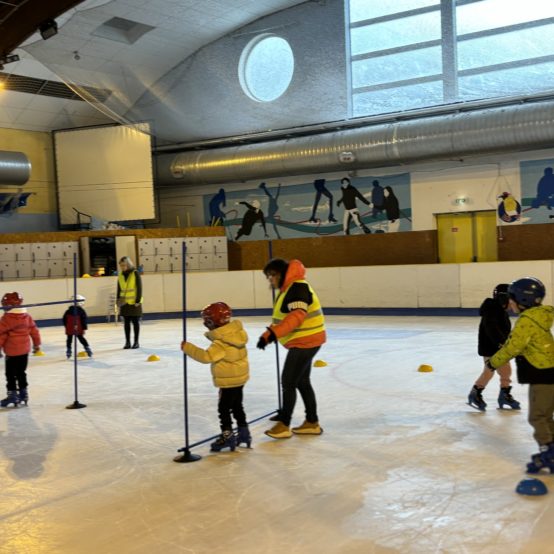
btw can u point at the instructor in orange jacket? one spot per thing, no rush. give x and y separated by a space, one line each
298 324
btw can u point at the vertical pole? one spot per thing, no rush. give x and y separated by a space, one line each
186 455
277 362
449 50
76 404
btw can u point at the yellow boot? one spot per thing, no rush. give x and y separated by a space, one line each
279 431
308 428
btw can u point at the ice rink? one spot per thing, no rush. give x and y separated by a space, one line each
404 465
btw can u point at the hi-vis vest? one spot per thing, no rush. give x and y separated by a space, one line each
128 288
314 322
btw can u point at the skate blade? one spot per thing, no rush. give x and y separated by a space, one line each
476 408
508 409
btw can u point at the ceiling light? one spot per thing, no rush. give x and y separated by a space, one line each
48 29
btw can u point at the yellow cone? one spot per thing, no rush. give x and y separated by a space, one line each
424 368
85 276
38 353
320 363
82 355
153 358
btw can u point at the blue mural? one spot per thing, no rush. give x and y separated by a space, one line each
351 205
537 191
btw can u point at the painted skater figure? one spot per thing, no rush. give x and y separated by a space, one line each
532 345
545 190
217 215
494 329
251 217
273 207
321 189
377 198
392 209
228 357
349 196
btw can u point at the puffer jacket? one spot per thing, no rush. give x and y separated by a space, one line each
532 344
494 327
227 355
17 329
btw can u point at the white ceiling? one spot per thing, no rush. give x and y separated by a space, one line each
181 28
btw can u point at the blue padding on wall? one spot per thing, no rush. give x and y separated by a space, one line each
449 312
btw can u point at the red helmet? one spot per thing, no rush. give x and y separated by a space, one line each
12 299
216 315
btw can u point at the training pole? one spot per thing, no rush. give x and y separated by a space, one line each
187 456
76 404
277 362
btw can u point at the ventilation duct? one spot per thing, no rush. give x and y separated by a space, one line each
514 127
15 168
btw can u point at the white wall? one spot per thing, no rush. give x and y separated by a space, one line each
409 286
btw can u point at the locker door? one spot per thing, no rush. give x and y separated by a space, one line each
24 269
56 268
193 262
39 251
40 268
220 261
176 263
175 246
161 247
485 236
162 263
220 244
206 261
205 245
68 267
147 263
146 247
7 271
455 238
192 245
54 250
7 252
23 252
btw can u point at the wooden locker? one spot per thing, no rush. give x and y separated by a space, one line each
23 252
7 253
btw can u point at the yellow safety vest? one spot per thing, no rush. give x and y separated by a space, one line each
128 288
314 322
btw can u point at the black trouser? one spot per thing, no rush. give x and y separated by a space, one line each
80 338
134 319
296 375
230 401
16 376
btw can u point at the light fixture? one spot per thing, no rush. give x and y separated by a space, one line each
10 58
48 29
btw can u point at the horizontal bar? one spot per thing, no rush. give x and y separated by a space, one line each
39 304
203 441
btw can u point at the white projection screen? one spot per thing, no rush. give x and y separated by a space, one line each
105 172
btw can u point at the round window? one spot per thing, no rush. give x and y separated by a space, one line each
266 67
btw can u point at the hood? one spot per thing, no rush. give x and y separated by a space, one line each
295 272
543 316
17 311
490 305
233 333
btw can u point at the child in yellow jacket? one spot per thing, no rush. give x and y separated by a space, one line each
230 371
532 345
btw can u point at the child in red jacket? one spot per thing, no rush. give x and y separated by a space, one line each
75 323
16 326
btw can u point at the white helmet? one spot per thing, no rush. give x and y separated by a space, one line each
79 298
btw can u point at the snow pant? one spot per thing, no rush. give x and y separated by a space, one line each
296 375
354 214
541 412
504 373
80 338
135 320
16 376
230 402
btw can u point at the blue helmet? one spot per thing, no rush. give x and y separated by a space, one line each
531 487
527 291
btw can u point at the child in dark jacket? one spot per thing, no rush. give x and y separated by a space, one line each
494 329
75 323
17 327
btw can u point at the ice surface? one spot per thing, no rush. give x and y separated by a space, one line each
404 465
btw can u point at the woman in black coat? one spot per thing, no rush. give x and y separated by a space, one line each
129 299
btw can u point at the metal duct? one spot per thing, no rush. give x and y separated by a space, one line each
522 126
15 168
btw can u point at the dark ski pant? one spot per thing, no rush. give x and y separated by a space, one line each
135 320
80 338
230 402
296 376
16 376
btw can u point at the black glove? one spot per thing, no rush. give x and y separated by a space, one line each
265 339
488 364
262 343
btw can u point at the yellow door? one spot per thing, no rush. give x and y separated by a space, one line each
455 238
484 236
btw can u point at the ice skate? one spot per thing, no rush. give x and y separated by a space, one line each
505 397
475 399
308 428
88 351
23 396
68 353
12 398
244 436
542 460
279 431
225 440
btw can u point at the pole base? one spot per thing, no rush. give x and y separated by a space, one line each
186 457
75 406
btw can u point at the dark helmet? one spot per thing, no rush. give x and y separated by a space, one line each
527 292
12 300
500 293
216 315
279 266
